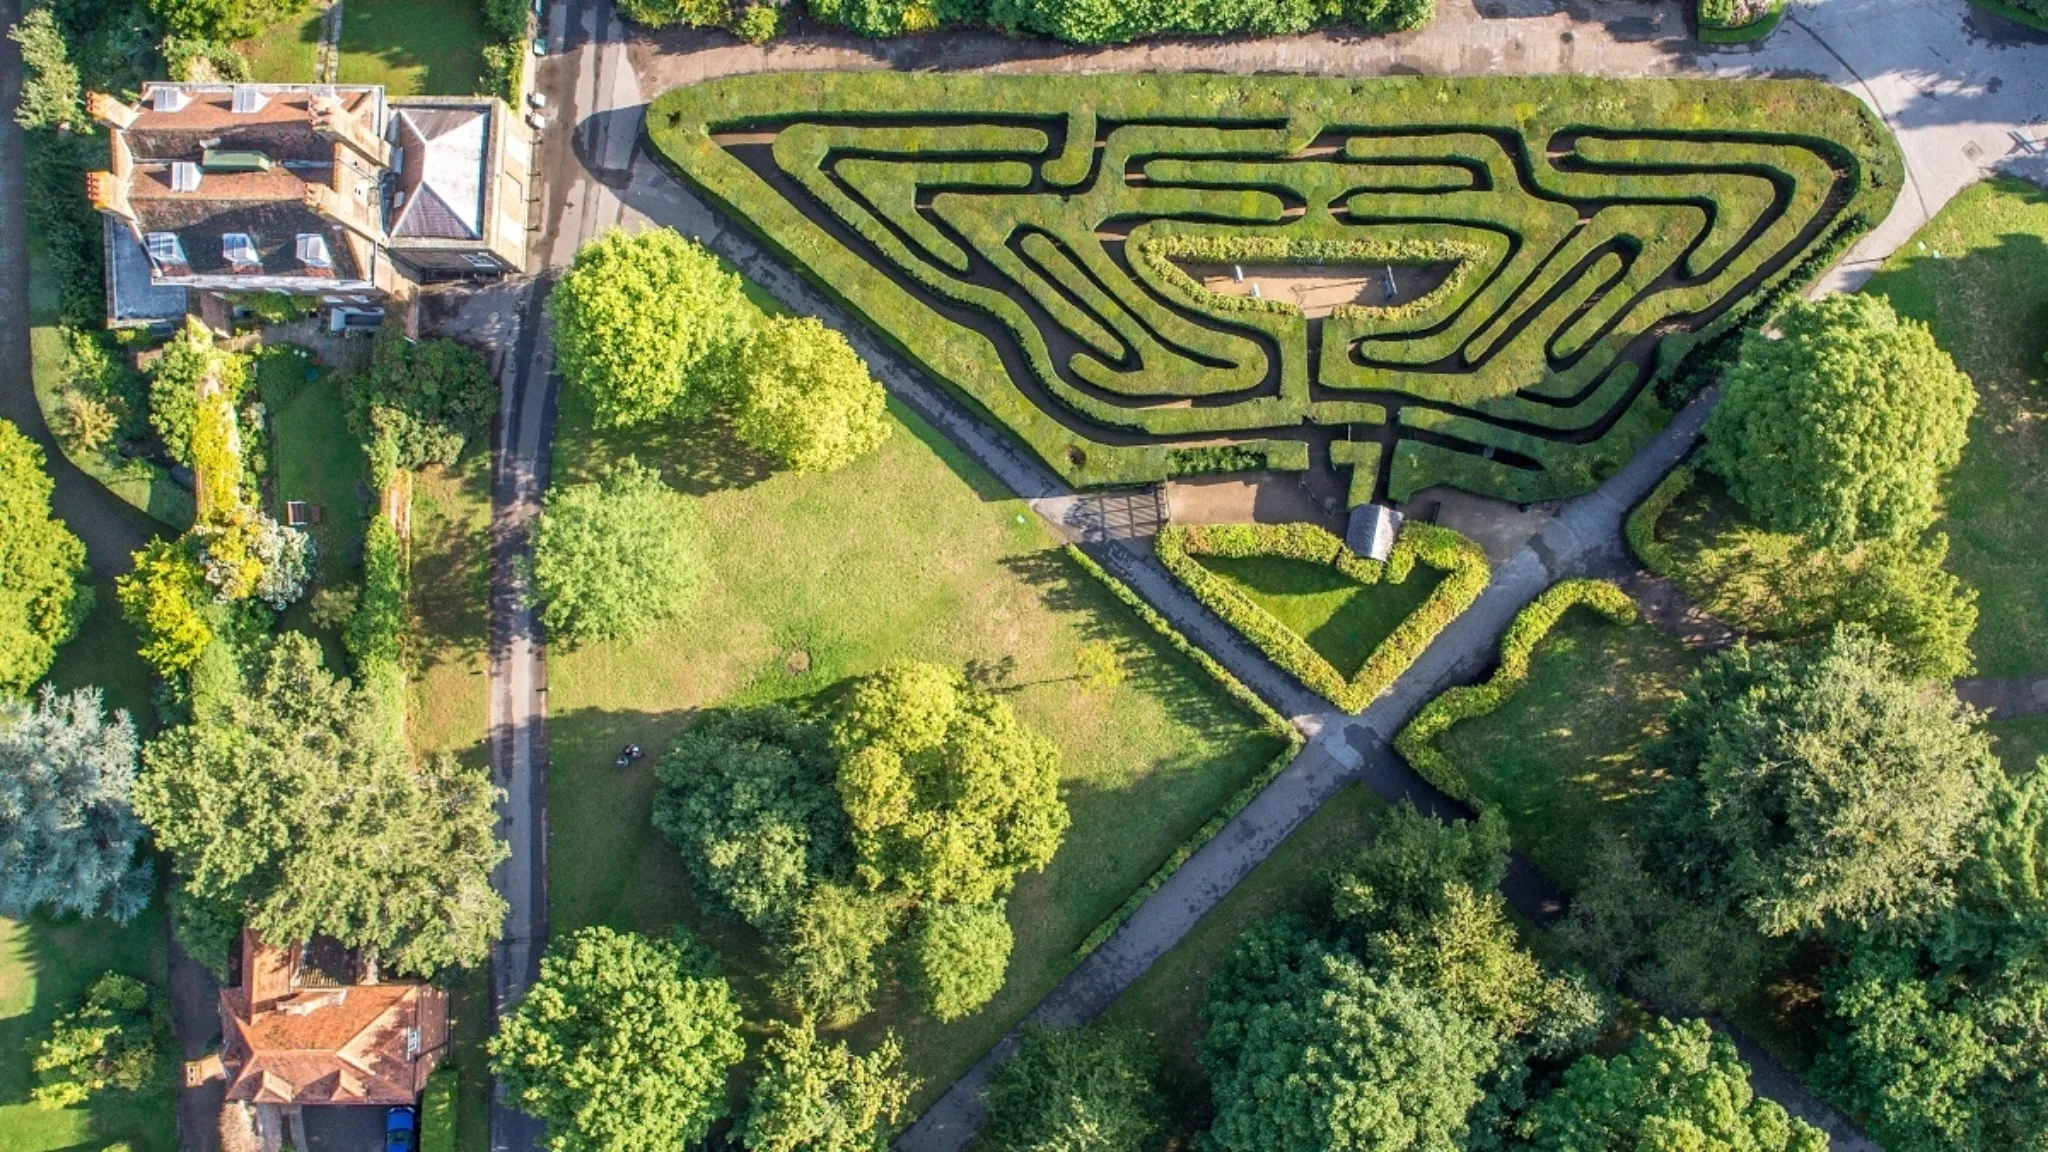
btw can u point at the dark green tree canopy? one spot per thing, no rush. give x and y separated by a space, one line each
1842 423
1076 1090
622 1045
747 798
43 596
616 557
297 802
958 956
646 326
817 1097
420 403
67 835
1816 786
1679 1086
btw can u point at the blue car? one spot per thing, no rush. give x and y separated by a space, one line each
401 1130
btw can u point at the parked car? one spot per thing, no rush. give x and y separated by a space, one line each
401 1130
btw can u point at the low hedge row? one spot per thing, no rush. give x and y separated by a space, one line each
1274 722
1417 742
1159 252
1642 520
1464 565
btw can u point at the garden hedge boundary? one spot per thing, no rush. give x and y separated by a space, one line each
2014 13
1465 575
1714 32
1267 714
1417 741
1641 528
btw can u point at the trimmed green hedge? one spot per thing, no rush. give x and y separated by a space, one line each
1642 520
1274 721
1417 741
1464 565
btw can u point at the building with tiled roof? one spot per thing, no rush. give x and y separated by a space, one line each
311 190
292 1036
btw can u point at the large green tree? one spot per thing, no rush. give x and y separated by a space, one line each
818 1097
1817 786
43 597
747 798
67 835
646 326
803 396
296 802
616 557
959 954
50 91
1678 1086
833 952
419 403
622 1045
1089 1089
221 21
1839 421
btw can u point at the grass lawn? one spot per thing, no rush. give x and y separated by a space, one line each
316 459
288 51
1560 757
1167 1000
912 552
2020 742
1341 619
1978 275
449 701
44 966
413 47
103 655
1743 575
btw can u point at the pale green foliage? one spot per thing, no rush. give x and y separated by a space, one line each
108 1041
1901 592
646 326
804 397
833 945
958 955
186 359
67 835
758 23
50 90
43 597
296 802
747 798
815 1097
687 13
1088 1089
623 1044
220 21
161 596
1467 959
1842 424
615 558
1098 666
1678 1087
1818 787
949 794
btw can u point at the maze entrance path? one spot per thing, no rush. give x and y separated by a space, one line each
1039 243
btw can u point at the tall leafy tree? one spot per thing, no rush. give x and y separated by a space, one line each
817 1097
617 557
959 954
162 595
1840 420
622 1045
43 597
646 326
296 802
50 91
804 396
221 21
419 403
832 950
1678 1086
1076 1089
1818 786
67 834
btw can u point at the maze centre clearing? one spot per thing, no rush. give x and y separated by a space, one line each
1501 272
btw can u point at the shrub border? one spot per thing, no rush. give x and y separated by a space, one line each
1275 723
1466 575
1417 741
1641 528
1750 33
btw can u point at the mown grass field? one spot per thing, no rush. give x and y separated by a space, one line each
910 553
1340 618
413 47
287 52
1978 275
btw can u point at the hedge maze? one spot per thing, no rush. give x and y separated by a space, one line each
1040 244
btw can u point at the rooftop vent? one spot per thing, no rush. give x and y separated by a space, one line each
247 99
234 160
312 249
239 249
184 176
169 99
165 250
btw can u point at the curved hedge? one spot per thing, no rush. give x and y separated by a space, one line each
1417 742
1642 520
1464 565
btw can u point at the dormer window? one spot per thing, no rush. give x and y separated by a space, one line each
239 249
184 176
169 99
247 100
312 248
166 252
